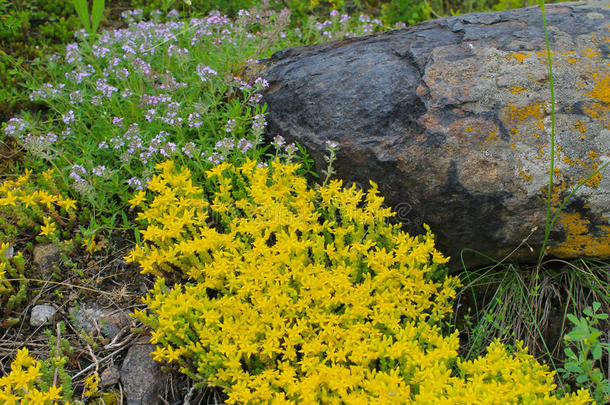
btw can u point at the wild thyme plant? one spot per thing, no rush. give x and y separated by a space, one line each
158 89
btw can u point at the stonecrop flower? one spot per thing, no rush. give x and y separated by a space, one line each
22 384
289 294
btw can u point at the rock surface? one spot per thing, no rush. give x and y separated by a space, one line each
141 376
93 320
452 119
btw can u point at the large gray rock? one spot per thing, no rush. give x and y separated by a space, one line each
452 119
141 376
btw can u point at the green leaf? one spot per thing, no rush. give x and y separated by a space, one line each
573 319
596 306
597 352
96 14
582 378
578 334
83 13
569 353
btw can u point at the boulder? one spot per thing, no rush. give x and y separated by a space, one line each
452 119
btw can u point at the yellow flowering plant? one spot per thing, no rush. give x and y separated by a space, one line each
27 203
283 293
25 385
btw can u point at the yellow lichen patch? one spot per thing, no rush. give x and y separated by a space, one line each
518 56
579 241
535 135
468 129
580 127
571 60
594 181
517 89
590 53
492 137
520 114
525 175
596 110
601 91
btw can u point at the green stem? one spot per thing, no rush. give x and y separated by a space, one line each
548 226
563 203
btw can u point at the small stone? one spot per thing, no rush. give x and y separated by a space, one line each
110 376
141 376
113 322
87 319
46 256
42 315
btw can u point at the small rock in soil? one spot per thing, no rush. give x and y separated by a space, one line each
110 376
141 376
42 315
87 319
113 322
46 256
92 319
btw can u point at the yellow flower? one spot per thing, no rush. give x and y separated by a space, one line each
48 228
48 174
66 203
91 384
137 199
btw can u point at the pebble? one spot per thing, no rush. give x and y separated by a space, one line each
42 315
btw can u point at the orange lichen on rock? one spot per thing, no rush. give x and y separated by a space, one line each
492 137
520 114
525 175
580 127
601 91
518 56
597 110
517 89
579 239
590 53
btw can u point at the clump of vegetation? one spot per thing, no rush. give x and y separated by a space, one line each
28 205
294 294
265 286
26 382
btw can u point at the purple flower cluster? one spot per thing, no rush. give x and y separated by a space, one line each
47 92
137 184
226 146
68 117
73 54
39 145
106 89
205 73
79 74
15 127
131 16
77 173
132 146
194 120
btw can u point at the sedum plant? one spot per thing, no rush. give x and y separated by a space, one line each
25 385
283 293
27 203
